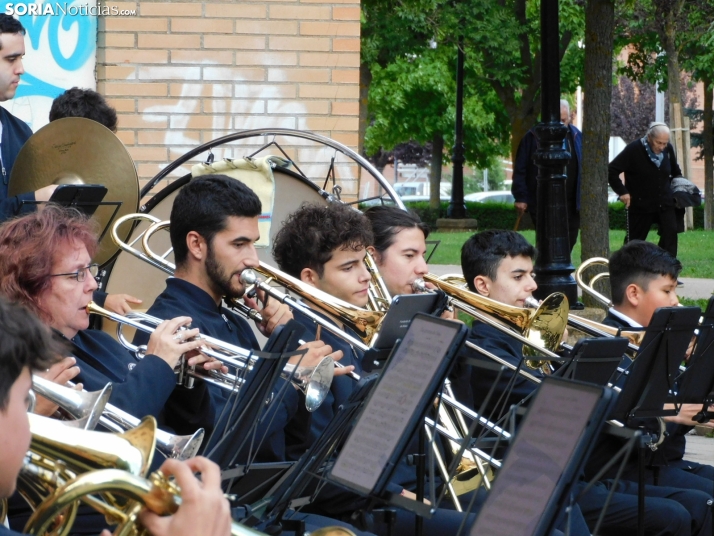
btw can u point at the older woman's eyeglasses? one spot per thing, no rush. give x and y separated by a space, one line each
81 274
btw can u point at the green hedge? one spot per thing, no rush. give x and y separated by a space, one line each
503 215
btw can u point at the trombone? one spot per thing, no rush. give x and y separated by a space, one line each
540 331
313 381
93 408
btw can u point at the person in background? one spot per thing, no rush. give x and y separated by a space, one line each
649 165
525 172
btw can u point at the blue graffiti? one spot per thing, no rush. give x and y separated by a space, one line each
30 86
86 36
84 47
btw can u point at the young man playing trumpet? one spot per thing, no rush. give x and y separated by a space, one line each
643 277
214 228
27 348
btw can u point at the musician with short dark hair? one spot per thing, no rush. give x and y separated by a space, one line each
499 265
15 132
214 227
643 277
86 103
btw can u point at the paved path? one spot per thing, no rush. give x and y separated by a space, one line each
693 288
700 449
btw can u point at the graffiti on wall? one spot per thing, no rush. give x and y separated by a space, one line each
60 53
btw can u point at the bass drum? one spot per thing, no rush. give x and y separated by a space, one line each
130 275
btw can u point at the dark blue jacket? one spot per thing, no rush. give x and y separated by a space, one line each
7 532
673 446
140 387
342 386
525 172
181 298
15 133
505 347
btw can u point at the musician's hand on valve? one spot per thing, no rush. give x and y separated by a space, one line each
60 373
203 511
196 357
120 303
274 312
169 342
316 352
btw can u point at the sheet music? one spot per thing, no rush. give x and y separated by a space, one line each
392 405
535 463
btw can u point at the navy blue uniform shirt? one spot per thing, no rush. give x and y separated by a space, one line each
181 298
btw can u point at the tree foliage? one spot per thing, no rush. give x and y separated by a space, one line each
414 99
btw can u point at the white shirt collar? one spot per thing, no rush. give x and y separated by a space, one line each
624 318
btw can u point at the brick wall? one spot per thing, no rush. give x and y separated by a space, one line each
184 73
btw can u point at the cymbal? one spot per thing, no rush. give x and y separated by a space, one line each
75 150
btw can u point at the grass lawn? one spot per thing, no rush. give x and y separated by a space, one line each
696 249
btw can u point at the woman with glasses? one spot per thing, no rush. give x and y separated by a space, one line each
45 265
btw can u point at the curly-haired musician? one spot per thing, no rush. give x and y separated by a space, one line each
499 264
643 277
325 246
27 347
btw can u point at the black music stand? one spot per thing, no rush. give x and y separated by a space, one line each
652 374
696 384
594 360
236 428
416 351
544 460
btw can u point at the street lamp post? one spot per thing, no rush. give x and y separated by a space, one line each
457 209
553 266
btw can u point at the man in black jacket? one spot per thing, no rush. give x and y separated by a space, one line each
649 165
525 173
13 131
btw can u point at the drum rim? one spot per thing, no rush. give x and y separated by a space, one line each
172 186
243 134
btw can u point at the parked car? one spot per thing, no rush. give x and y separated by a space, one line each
497 196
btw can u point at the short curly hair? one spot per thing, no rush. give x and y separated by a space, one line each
312 233
85 103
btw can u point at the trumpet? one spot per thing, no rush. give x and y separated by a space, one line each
92 408
313 381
